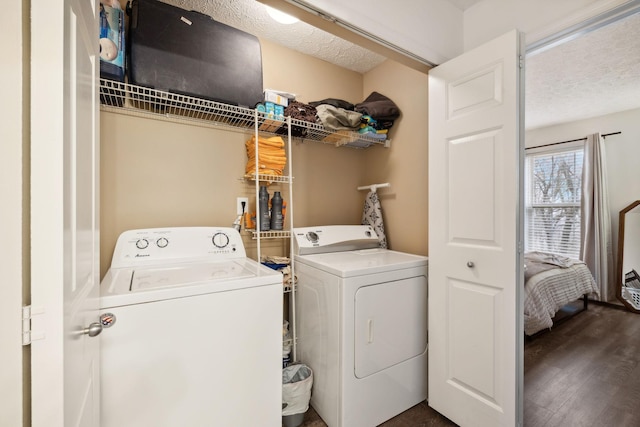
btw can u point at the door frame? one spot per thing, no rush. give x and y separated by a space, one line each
564 31
15 20
567 29
14 221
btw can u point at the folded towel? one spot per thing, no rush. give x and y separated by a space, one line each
274 141
264 169
271 156
281 160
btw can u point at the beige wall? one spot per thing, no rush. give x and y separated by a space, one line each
159 174
311 79
404 164
325 177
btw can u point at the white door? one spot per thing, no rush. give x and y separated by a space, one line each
64 212
475 153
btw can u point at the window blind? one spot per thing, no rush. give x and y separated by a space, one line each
553 185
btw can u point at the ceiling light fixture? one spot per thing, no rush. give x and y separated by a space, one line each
281 17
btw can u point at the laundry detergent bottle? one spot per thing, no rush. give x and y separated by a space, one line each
276 211
263 201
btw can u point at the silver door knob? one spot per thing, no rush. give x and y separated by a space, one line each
470 264
94 329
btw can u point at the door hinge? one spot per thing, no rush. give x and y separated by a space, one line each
521 61
28 336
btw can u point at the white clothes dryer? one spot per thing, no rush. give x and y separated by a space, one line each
194 332
361 324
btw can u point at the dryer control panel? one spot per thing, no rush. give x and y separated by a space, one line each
334 238
153 246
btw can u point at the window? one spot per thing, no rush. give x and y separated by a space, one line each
553 190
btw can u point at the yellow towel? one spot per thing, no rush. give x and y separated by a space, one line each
271 156
263 170
251 164
251 153
273 153
273 159
275 142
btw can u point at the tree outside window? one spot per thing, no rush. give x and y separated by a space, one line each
553 192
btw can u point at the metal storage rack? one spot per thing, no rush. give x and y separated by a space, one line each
140 101
133 100
260 124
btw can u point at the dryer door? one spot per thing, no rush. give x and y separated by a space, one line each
390 324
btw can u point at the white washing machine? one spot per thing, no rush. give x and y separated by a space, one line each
361 324
193 332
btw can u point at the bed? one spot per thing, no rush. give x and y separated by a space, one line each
551 282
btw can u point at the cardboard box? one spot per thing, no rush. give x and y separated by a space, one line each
278 97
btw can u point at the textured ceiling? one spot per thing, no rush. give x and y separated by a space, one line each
251 16
592 75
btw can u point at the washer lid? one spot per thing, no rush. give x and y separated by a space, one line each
361 262
159 277
126 286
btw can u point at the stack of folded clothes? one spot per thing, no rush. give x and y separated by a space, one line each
379 113
372 118
271 156
370 127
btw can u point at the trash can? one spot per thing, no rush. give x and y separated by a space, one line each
297 380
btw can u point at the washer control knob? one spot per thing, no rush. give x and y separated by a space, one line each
142 244
220 240
162 242
312 237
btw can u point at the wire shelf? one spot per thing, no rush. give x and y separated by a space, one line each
269 178
125 98
280 234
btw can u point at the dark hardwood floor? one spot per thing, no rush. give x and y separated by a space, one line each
584 372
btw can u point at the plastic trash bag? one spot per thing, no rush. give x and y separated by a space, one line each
296 388
286 344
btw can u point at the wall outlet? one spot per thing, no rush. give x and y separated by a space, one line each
239 201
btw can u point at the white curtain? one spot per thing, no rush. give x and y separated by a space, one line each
596 249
